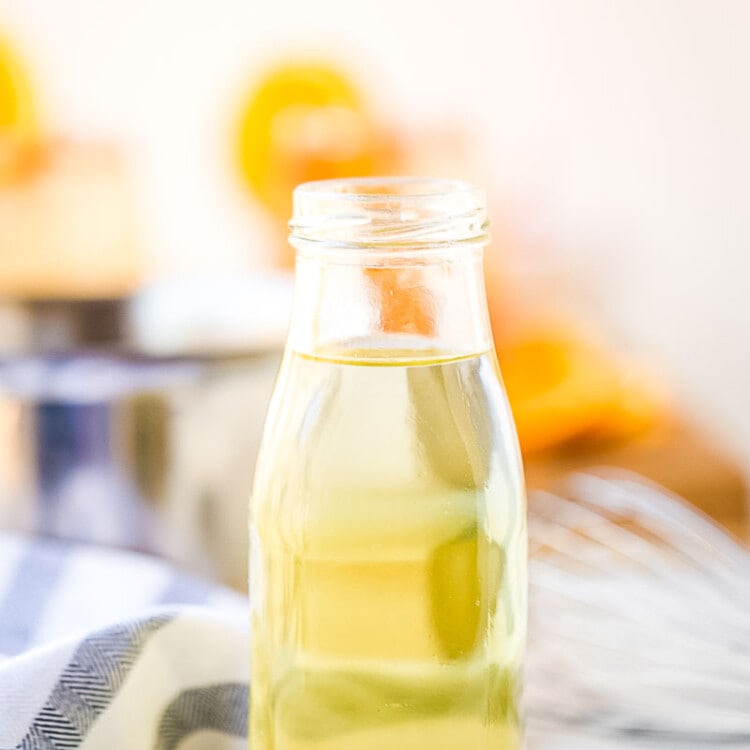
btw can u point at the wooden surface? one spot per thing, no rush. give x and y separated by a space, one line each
741 531
673 454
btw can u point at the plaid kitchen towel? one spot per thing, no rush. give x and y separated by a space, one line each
79 670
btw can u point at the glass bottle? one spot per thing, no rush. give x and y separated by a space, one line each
388 536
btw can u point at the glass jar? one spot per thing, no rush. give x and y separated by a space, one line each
388 535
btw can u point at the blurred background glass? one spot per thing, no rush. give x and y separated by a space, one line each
147 157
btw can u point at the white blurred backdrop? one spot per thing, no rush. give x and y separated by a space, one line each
615 132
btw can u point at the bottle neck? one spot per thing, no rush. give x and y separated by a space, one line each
426 307
388 265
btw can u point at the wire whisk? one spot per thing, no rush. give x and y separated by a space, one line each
639 632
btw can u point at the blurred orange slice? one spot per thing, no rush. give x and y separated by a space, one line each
17 114
304 121
559 387
562 387
18 120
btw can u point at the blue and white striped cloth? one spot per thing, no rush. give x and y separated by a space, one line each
101 648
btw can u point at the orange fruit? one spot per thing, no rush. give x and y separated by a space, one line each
17 115
559 387
563 387
642 399
18 120
303 121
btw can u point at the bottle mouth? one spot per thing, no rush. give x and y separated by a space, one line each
378 213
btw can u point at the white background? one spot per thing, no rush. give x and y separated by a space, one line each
624 124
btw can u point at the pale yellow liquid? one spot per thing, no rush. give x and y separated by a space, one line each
387 558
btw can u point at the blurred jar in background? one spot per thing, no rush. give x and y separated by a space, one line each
67 226
129 412
135 422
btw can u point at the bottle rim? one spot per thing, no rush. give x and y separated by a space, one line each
403 215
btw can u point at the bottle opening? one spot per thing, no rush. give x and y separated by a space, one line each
380 213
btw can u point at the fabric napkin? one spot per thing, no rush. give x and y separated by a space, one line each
78 669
